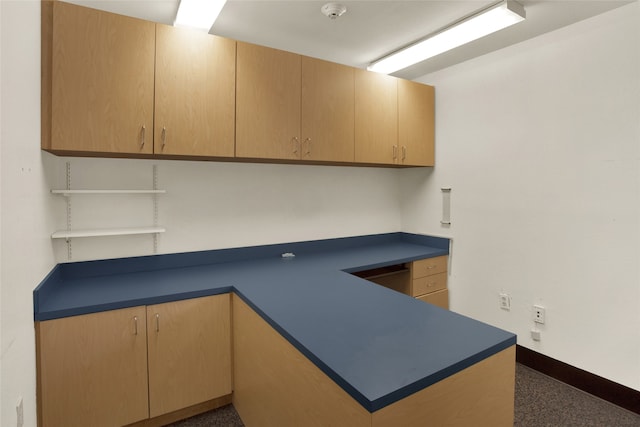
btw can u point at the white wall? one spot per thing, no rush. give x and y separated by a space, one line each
208 205
25 221
540 144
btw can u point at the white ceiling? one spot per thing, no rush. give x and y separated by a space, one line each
369 29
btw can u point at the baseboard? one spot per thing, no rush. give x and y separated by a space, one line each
185 413
603 388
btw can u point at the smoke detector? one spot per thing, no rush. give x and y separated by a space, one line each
333 10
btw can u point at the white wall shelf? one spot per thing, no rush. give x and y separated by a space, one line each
98 232
72 192
71 233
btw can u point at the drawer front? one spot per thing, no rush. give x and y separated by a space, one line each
429 266
439 298
428 284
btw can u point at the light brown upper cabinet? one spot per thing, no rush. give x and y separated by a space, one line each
394 121
97 81
267 103
376 118
195 93
116 86
292 107
327 111
415 123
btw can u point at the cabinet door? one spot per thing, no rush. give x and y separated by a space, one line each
267 103
327 111
92 369
98 72
189 352
415 123
376 118
439 298
195 93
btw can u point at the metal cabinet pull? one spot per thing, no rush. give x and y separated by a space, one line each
142 135
404 153
308 141
157 322
164 136
395 152
135 325
296 144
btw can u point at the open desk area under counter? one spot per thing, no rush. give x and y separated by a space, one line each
290 340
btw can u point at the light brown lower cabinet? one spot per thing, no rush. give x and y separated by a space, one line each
429 280
189 344
123 366
92 369
424 279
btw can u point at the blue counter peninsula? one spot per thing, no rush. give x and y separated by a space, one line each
308 342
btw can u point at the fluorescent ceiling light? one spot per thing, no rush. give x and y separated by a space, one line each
200 14
487 21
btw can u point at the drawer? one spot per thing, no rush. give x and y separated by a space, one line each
439 298
427 284
429 266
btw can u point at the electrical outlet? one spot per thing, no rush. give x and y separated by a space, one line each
19 413
538 314
505 301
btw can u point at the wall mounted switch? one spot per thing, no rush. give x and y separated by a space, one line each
505 301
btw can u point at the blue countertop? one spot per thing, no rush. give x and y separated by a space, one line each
378 345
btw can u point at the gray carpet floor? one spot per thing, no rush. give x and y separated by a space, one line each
540 401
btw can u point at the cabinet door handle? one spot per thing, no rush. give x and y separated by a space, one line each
296 145
404 153
164 136
395 152
308 141
142 135
135 325
157 322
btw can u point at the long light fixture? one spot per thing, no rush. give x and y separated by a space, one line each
200 14
487 21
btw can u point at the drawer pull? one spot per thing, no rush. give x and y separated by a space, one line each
135 325
157 322
164 136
